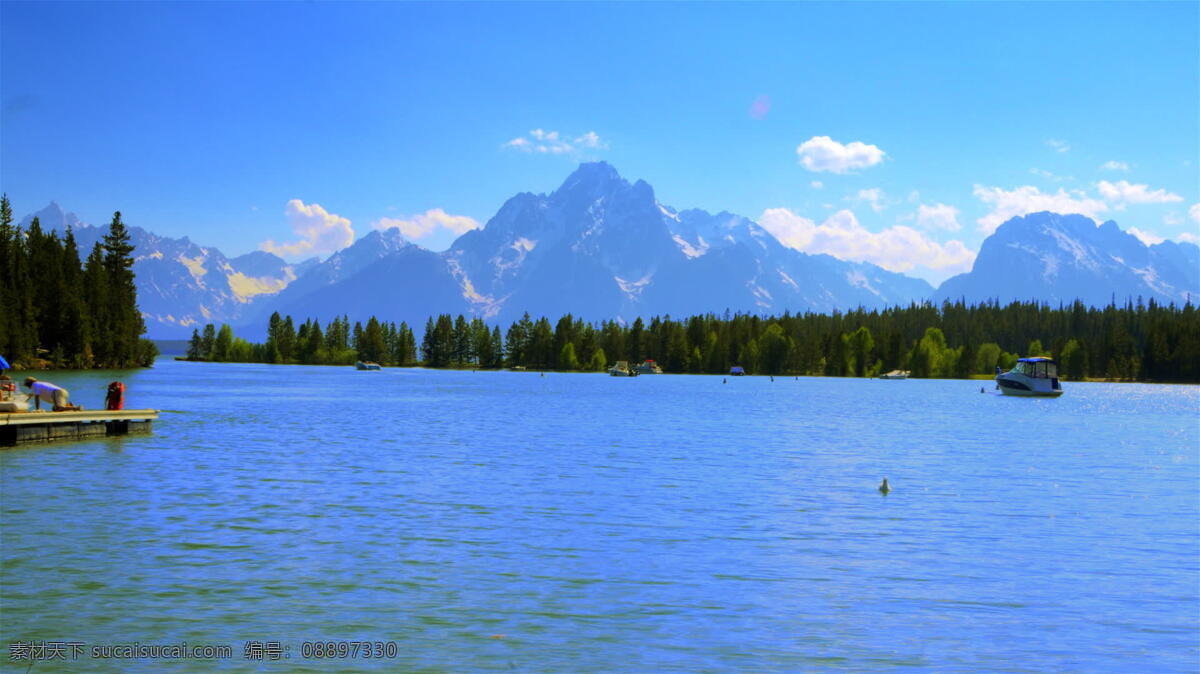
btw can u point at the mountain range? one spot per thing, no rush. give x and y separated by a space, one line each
600 247
182 285
1056 259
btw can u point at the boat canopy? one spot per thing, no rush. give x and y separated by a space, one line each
1035 359
1040 368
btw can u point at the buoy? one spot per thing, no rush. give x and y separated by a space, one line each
772 377
724 380
884 488
981 390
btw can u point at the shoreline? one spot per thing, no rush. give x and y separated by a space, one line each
972 378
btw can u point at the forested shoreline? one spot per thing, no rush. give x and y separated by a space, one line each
59 311
1133 342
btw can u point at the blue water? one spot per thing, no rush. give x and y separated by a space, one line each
509 521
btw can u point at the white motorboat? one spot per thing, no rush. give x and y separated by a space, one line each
895 374
621 369
1031 377
12 400
648 366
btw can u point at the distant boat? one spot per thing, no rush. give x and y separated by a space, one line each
621 369
895 374
12 400
648 366
737 371
1031 377
368 365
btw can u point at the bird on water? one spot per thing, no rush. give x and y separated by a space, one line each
884 488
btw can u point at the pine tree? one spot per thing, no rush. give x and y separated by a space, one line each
461 341
372 346
195 349
409 344
7 242
124 321
73 312
314 345
287 340
95 296
23 342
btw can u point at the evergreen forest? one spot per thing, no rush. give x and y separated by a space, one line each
1134 342
59 311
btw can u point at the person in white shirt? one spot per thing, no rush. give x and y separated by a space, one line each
54 395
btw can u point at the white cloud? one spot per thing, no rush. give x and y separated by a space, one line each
938 216
873 196
1008 204
540 141
1172 218
590 140
896 248
1148 238
1192 237
1058 145
319 230
817 185
822 153
1114 165
1123 193
422 225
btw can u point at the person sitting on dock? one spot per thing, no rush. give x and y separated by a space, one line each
54 395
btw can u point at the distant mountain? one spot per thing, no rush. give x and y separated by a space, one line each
1060 258
600 247
597 247
182 285
53 217
380 275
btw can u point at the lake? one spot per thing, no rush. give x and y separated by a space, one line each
580 522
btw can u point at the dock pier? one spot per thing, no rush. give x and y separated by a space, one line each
20 428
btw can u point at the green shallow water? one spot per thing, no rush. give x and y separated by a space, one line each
507 521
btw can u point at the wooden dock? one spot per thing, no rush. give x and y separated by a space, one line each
19 428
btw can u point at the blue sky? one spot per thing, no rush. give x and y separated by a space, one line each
899 133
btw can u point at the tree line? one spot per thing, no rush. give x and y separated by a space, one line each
59 311
1133 342
337 344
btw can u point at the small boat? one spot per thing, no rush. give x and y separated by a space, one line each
621 369
368 365
12 400
1031 377
648 366
737 371
895 374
